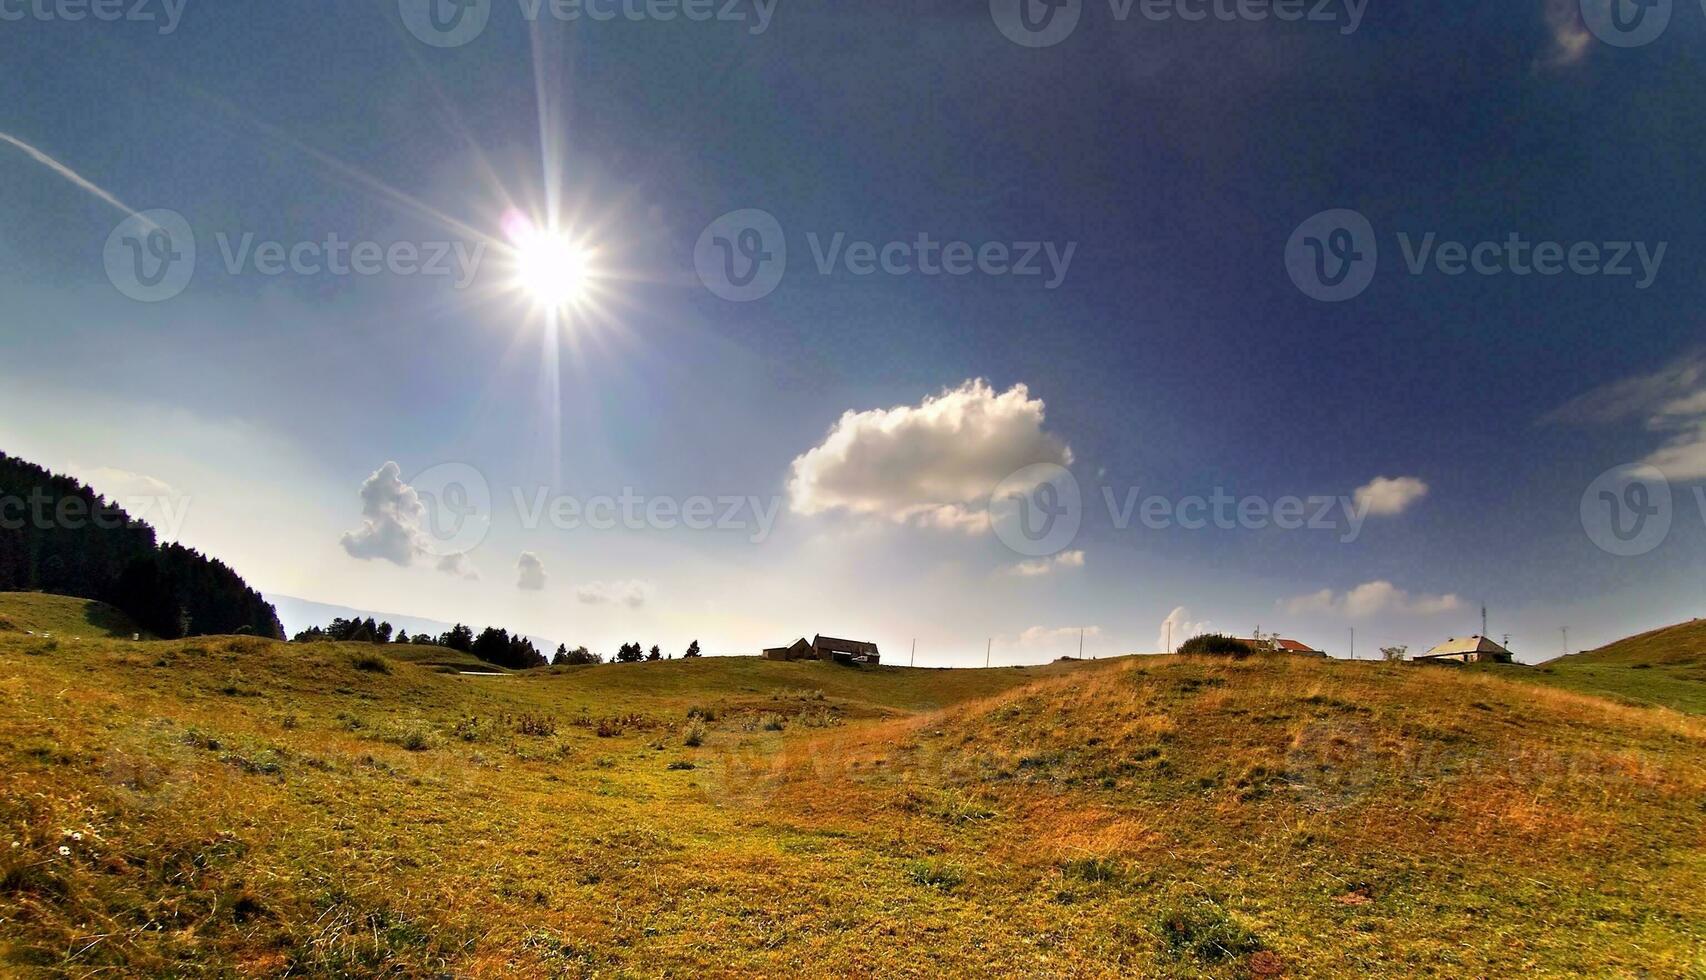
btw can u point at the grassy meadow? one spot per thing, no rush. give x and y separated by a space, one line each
238 807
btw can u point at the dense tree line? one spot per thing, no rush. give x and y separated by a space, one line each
494 646
57 535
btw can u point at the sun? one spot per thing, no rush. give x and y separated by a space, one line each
553 268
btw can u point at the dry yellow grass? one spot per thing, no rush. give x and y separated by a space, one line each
250 808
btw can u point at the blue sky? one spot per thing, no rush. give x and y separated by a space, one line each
1173 356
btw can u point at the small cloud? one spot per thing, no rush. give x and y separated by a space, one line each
1040 637
933 464
457 564
1386 496
1044 566
633 593
1371 599
1177 628
530 572
1570 38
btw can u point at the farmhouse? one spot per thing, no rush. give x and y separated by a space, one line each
798 650
1273 643
826 648
1466 650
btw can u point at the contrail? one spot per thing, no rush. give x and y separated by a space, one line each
66 172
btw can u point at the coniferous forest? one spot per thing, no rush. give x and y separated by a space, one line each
57 535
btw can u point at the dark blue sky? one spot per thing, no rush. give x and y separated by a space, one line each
1177 354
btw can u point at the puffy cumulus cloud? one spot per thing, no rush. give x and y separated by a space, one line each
1371 599
530 572
1671 402
1044 566
933 464
633 593
1385 496
392 526
1177 628
391 515
457 564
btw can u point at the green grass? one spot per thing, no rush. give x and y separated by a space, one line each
235 806
64 617
1664 667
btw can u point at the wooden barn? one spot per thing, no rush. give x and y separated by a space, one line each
826 648
798 650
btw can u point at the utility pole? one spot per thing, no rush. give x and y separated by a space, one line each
913 662
1566 631
1353 642
1080 643
1169 636
987 647
1483 619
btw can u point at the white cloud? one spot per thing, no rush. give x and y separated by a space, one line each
457 564
530 572
391 525
1386 496
120 485
633 593
391 519
933 464
1056 637
1043 566
1182 629
1672 403
1570 37
1371 599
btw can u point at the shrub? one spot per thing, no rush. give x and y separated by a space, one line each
819 718
935 873
540 725
608 728
771 722
1216 645
372 664
694 734
681 765
414 736
1204 931
1102 871
702 713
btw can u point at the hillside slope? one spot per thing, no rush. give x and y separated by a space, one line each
64 616
1661 667
246 807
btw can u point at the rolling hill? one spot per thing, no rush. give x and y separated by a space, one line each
41 612
1661 667
240 806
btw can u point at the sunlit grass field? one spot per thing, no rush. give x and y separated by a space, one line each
234 806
